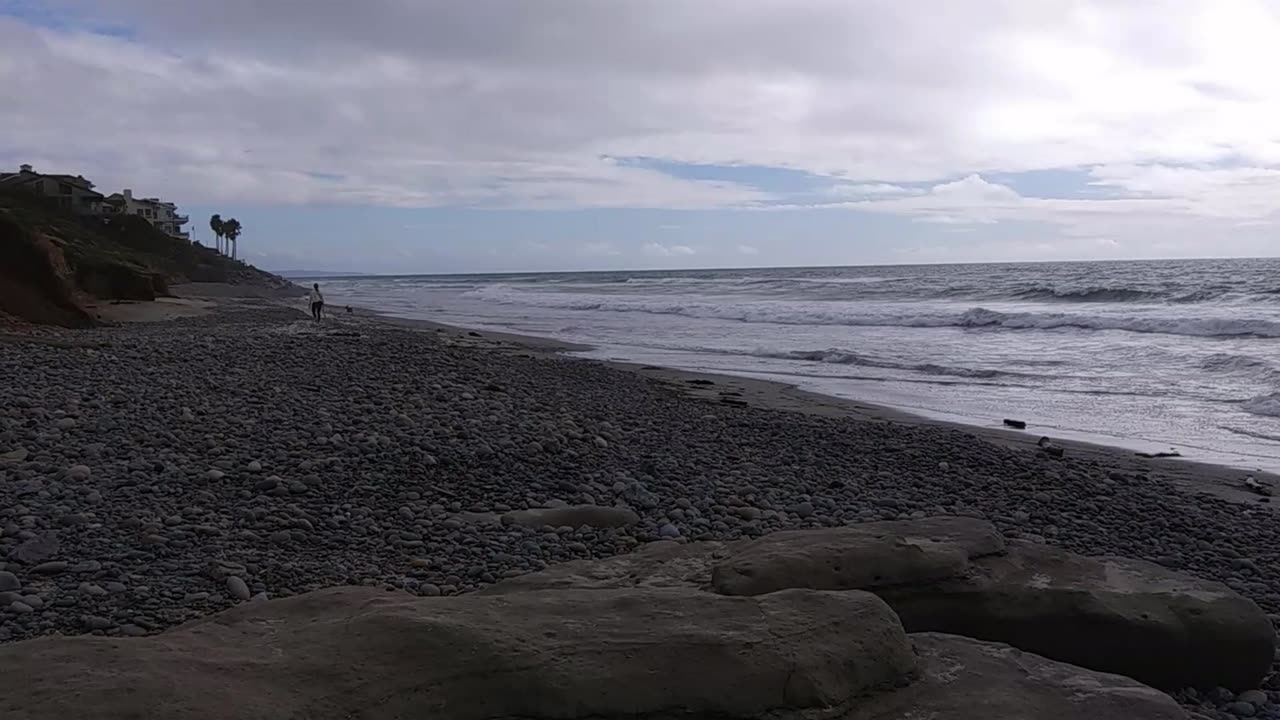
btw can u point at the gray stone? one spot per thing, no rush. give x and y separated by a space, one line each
79 472
669 531
86 566
355 652
957 575
867 556
37 549
1242 709
966 679
93 622
18 607
1255 697
9 581
53 567
238 589
573 516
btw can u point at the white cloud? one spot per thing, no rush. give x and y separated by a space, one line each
748 250
600 248
504 103
655 249
871 190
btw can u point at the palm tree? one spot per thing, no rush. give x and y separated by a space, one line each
218 227
231 230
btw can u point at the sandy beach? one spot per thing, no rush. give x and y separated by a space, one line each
144 463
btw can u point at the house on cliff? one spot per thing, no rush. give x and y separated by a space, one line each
163 215
70 192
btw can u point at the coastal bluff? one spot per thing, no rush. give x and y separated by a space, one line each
54 265
802 624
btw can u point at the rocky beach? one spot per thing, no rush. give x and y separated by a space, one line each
153 474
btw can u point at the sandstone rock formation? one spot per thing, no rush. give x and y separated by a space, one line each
957 575
557 655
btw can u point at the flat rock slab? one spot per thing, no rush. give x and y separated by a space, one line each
866 556
363 653
957 575
966 679
574 516
1111 614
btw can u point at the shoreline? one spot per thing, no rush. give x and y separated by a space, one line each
1190 475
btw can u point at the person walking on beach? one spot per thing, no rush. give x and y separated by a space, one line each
317 301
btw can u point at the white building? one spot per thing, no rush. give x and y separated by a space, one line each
163 215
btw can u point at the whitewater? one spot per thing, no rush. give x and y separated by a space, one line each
1152 355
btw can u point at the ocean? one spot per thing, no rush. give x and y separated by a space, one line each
1148 355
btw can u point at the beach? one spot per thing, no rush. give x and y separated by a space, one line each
147 464
1156 356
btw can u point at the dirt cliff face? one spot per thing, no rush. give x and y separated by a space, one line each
36 283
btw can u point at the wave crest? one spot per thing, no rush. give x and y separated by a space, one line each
1266 405
873 315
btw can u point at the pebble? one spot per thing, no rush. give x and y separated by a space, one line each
381 470
94 622
18 607
53 567
9 581
1242 709
238 588
1257 698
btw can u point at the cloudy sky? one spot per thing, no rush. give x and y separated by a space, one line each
486 135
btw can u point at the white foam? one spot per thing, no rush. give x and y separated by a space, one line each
875 315
1268 405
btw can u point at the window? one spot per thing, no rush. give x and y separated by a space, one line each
64 189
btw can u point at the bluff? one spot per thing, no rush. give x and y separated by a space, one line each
53 262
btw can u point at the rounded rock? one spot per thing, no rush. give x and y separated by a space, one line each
1242 709
238 588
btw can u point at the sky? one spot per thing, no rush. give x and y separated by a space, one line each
401 136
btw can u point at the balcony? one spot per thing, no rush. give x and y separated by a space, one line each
180 219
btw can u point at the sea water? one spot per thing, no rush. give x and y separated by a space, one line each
1149 355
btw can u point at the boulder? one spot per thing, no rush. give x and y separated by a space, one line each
358 652
957 575
966 679
1111 614
573 516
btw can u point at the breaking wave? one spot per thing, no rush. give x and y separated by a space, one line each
872 315
1267 405
837 356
